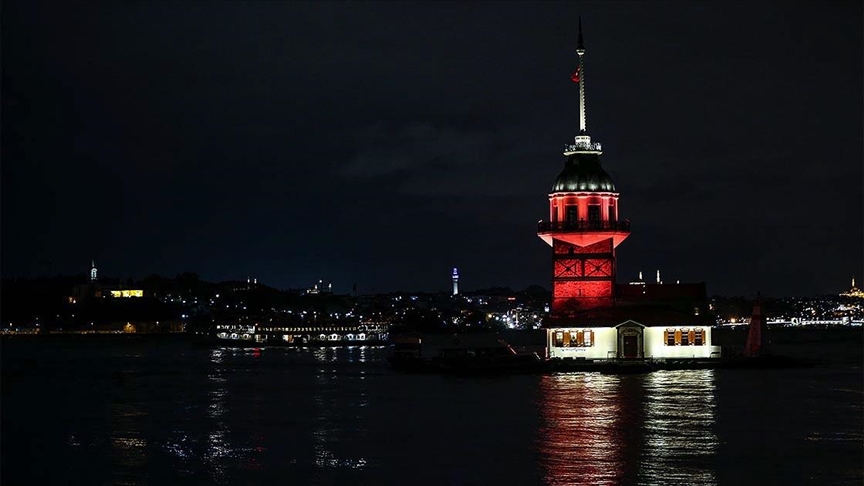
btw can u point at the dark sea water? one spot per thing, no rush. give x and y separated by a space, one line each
130 410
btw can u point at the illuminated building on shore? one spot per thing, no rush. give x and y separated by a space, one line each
592 317
318 288
126 293
455 281
853 291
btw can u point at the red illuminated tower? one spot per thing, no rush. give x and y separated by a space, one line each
583 228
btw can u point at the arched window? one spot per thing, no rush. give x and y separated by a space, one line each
571 213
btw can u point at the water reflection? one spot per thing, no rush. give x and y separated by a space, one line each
128 450
680 441
335 418
218 446
656 428
580 435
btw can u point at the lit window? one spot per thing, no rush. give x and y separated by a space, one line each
698 337
573 338
677 337
685 337
669 337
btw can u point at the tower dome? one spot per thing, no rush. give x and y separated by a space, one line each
583 172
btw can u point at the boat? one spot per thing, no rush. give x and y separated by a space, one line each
275 334
460 354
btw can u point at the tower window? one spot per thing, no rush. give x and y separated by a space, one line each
593 213
572 214
612 213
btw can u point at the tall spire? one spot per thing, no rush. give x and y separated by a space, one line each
580 50
583 140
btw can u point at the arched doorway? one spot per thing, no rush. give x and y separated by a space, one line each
630 340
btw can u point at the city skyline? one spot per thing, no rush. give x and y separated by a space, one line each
385 144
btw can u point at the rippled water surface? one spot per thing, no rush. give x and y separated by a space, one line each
136 411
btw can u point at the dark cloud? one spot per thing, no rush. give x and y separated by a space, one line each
386 142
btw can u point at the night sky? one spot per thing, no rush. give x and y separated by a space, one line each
385 143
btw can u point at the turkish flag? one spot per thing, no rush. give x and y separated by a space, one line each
575 76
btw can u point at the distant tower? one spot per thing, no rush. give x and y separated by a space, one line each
455 281
93 270
583 228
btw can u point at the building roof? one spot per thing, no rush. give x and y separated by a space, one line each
583 172
651 315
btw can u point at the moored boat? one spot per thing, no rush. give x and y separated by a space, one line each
461 354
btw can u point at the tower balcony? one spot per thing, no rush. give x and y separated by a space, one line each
582 146
583 233
582 225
